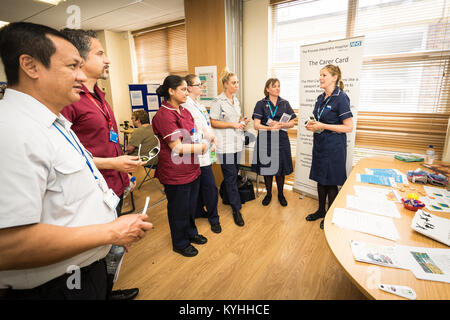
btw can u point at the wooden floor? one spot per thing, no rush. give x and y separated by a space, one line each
277 255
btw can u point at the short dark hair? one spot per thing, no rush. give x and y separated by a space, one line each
81 39
172 82
20 38
141 115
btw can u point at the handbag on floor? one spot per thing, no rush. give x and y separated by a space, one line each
245 188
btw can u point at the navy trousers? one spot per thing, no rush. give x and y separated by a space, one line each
181 205
229 163
208 195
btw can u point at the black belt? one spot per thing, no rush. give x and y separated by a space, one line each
4 292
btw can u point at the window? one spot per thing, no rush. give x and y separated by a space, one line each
161 51
405 91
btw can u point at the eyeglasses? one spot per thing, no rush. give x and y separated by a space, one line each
197 85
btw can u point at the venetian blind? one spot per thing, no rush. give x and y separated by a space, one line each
160 52
404 99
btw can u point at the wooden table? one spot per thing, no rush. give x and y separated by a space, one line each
367 276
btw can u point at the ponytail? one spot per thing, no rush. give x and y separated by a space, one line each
225 76
335 71
170 82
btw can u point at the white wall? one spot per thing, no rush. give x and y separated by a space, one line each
255 51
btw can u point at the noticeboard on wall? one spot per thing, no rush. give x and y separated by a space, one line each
144 96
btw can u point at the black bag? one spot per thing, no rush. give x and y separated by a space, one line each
245 188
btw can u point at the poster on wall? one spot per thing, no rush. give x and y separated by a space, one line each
208 78
347 54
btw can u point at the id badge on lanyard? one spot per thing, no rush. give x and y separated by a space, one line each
109 196
113 136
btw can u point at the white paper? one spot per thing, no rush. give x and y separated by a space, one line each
208 78
151 88
427 263
438 199
432 226
152 102
376 254
380 194
366 223
375 206
136 98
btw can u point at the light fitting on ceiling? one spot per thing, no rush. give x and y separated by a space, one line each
53 2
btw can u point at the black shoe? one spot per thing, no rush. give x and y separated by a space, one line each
267 199
189 251
314 216
237 216
321 224
216 228
128 294
282 200
199 239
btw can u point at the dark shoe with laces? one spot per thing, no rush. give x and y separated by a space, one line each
282 200
216 228
199 239
314 216
237 216
267 199
189 251
127 294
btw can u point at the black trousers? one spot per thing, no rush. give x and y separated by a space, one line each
93 286
229 162
181 205
208 195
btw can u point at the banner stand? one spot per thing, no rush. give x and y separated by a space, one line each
348 55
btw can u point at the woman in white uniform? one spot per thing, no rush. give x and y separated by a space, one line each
228 124
208 194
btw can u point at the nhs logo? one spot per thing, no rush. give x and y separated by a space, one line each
355 44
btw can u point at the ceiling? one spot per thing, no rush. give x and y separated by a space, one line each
115 15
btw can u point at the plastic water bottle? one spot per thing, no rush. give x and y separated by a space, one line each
128 189
429 158
113 258
212 156
196 137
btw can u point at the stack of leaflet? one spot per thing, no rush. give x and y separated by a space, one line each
426 263
366 223
438 199
384 177
373 205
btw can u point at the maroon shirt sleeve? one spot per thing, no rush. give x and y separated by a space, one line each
166 126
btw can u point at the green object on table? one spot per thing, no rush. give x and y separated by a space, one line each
409 158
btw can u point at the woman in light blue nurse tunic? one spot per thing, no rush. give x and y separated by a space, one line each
333 119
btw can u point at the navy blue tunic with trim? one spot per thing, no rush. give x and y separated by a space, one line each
329 156
276 159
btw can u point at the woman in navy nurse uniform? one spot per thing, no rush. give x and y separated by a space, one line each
272 156
333 119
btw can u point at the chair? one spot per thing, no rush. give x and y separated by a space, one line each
149 167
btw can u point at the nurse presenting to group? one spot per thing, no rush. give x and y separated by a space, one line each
333 119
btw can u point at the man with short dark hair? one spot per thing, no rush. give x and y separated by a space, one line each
142 135
57 214
94 122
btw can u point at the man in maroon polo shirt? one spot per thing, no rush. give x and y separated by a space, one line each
95 125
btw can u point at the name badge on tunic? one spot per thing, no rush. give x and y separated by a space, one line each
113 137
